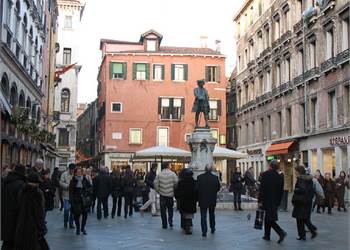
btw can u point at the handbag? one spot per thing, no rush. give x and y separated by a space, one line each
86 200
259 218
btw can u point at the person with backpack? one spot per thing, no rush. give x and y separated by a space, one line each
302 202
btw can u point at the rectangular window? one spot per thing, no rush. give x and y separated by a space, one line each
158 72
279 122
245 58
268 127
253 140
239 135
267 38
140 71
68 22
215 133
277 30
288 70
314 113
261 84
302 118
163 136
300 65
246 141
116 107
332 109
347 103
289 121
118 70
116 136
135 136
63 138
313 60
278 74
329 44
260 43
67 56
268 81
215 110
262 130
345 34
179 72
171 108
212 73
260 6
151 45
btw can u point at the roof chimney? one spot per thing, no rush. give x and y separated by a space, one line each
218 46
204 41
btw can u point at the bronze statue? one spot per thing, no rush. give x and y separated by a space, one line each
201 103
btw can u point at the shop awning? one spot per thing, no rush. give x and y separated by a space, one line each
280 148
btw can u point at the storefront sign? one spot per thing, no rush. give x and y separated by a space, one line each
339 140
254 152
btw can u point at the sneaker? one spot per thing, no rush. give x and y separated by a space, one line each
84 232
301 238
164 227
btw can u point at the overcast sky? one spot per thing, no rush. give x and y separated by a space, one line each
181 22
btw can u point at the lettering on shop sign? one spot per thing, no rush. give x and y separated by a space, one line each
254 152
340 140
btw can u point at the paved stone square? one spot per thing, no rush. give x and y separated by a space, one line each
234 231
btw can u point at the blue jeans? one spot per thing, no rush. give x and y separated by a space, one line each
204 219
67 213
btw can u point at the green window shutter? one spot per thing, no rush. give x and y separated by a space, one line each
125 70
185 72
172 72
163 72
219 107
147 71
159 105
134 65
110 70
154 71
171 106
207 68
218 70
183 106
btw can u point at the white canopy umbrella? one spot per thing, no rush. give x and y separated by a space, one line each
225 153
162 152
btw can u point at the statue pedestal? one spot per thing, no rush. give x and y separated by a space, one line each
202 145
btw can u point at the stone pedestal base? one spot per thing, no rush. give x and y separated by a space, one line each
202 145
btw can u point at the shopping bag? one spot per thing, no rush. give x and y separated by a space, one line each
259 219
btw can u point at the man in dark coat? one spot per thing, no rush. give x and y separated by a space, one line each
208 185
117 194
270 195
12 185
237 188
102 189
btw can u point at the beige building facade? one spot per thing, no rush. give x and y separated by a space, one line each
292 85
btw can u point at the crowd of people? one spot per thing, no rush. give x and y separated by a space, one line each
28 193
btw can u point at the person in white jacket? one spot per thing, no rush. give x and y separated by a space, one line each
66 177
165 184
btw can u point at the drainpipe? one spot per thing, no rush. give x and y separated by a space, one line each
303 72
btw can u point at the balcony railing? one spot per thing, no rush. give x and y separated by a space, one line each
298 80
298 26
265 52
328 65
312 74
263 98
251 63
343 56
287 35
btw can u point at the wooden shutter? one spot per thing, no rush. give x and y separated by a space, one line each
125 69
219 107
110 70
159 105
218 71
207 68
134 71
185 72
163 72
183 106
171 106
172 72
147 71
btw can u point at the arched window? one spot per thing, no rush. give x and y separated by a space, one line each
5 88
25 31
9 10
21 99
33 111
65 96
28 106
38 116
13 95
17 13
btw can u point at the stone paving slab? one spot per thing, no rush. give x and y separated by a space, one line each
234 231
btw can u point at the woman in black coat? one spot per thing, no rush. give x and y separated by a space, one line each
237 188
31 227
80 198
186 195
48 189
302 201
129 185
329 188
342 182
